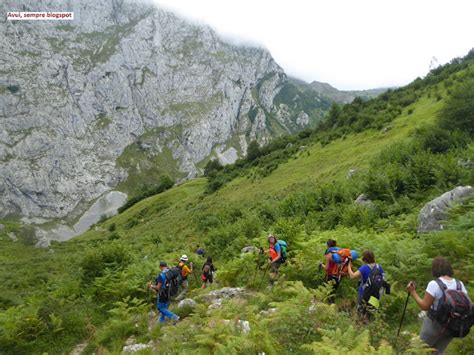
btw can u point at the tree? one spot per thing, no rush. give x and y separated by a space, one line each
458 112
253 151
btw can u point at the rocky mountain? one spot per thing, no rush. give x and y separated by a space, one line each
333 94
123 94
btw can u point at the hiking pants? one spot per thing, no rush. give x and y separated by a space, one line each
433 334
185 285
165 312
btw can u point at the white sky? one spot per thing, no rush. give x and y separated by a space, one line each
351 44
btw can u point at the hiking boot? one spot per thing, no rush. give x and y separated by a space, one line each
176 320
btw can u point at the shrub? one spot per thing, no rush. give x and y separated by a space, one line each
458 113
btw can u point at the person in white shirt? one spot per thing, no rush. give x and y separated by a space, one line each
432 333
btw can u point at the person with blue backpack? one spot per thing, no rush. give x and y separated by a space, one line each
277 252
164 284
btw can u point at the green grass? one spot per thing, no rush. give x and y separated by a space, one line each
124 250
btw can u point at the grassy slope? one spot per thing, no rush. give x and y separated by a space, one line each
171 216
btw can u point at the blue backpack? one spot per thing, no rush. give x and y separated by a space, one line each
284 249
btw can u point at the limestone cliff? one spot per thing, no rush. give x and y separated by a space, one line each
126 92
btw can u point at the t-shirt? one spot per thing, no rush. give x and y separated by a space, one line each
332 268
435 291
274 251
365 272
185 270
161 279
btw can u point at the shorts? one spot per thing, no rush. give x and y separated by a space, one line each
276 265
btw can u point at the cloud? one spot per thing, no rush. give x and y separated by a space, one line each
350 44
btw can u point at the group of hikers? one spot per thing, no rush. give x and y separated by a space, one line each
170 279
450 310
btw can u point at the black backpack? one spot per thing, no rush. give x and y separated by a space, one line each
455 310
170 288
373 285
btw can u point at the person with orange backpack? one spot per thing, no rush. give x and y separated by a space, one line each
336 265
331 267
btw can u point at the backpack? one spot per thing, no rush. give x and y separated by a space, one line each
284 249
373 285
455 310
172 280
341 258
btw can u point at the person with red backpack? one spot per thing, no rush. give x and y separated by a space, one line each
450 311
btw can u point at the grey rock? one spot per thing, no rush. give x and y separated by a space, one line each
123 74
363 200
187 302
351 173
2 228
12 236
465 163
134 348
268 311
79 349
226 292
106 205
244 325
249 249
434 212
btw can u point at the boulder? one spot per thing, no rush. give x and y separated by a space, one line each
187 302
351 173
363 200
226 292
133 348
435 211
243 324
249 249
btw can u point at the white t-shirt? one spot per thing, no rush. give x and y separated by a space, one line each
434 290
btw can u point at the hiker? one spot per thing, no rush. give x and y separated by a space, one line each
331 268
185 271
372 280
275 255
208 272
435 332
200 251
162 299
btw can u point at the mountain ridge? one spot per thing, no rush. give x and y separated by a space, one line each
122 95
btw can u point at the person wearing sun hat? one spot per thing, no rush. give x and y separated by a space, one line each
185 271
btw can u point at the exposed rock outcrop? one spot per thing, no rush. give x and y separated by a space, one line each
86 103
434 212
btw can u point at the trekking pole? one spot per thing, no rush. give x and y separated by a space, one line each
257 267
403 314
264 273
149 293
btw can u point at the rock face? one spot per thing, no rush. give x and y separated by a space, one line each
435 211
126 89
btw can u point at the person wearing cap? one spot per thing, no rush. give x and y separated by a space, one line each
162 300
185 271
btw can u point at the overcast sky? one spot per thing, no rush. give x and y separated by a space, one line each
351 44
